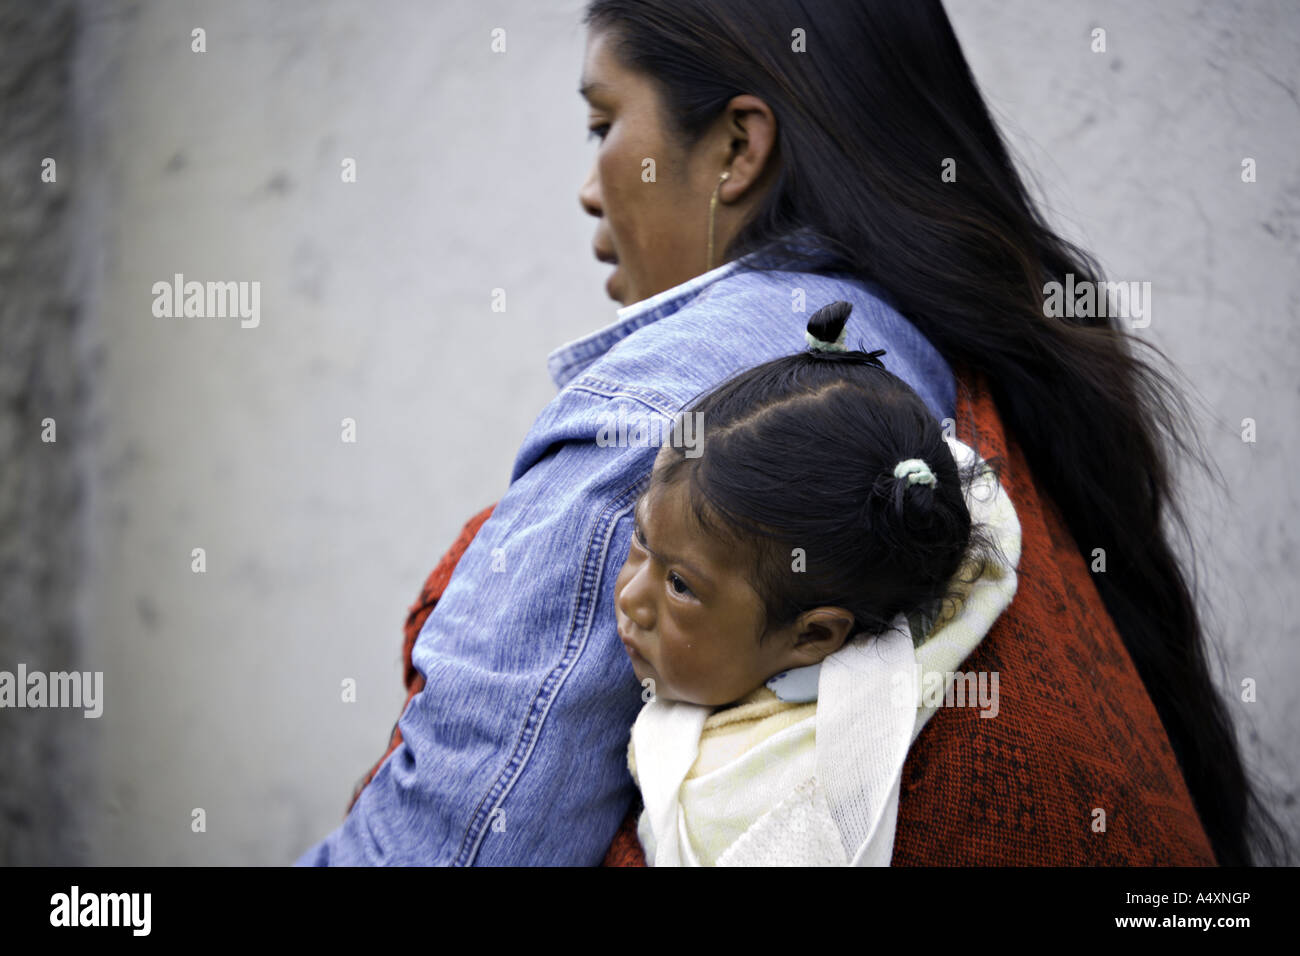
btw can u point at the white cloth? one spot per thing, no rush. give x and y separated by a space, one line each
834 803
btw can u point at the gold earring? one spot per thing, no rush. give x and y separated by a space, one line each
713 205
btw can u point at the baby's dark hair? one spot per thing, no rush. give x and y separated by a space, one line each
800 453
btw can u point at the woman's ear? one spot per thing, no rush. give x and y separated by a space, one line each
750 131
821 632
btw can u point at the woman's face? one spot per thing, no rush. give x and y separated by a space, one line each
653 223
689 618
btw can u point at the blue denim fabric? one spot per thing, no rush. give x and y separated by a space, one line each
515 752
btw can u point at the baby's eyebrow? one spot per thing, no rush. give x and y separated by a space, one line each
665 558
638 513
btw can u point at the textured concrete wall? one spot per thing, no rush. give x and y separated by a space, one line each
44 777
223 688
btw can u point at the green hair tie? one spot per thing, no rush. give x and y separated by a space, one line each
915 471
821 345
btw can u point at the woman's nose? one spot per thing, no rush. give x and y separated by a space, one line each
589 194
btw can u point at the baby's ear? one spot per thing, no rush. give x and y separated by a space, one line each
821 632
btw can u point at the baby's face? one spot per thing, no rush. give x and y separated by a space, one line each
686 612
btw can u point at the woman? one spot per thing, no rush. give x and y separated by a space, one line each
756 156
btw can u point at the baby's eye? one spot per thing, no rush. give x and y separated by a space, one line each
679 585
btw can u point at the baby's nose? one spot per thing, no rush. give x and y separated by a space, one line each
632 599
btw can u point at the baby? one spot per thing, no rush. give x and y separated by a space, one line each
826 510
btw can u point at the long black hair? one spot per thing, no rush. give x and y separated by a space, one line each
869 118
801 473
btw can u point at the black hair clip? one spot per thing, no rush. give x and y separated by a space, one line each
874 358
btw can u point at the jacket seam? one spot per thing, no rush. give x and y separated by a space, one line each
651 398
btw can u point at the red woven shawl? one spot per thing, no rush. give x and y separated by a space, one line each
1076 732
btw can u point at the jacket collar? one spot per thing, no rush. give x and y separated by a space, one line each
569 360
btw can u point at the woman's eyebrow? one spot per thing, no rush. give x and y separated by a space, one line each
665 558
587 87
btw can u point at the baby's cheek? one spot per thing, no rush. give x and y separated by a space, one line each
694 672
671 670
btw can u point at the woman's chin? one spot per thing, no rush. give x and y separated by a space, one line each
611 287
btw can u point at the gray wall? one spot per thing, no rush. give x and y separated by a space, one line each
223 688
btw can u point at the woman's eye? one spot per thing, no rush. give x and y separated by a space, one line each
679 585
598 132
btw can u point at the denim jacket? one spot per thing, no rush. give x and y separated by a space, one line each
515 750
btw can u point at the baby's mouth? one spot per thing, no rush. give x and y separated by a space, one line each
628 646
632 652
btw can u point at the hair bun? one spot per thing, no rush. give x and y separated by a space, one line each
825 331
